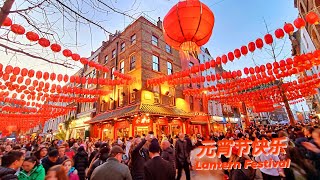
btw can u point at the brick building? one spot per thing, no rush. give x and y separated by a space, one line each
128 110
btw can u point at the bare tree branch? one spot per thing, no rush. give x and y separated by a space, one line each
5 9
33 56
29 8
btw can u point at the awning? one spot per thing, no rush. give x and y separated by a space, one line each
126 111
163 110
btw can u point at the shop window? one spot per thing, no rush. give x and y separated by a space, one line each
168 49
123 132
154 40
155 63
156 93
191 103
169 68
132 62
133 39
114 53
122 67
120 96
123 46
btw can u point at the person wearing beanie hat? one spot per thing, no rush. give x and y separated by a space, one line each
152 166
112 169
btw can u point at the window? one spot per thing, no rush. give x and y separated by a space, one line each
155 63
133 96
154 40
112 71
123 46
122 67
168 48
120 96
105 75
106 59
156 93
132 62
191 64
191 102
201 105
133 39
172 96
169 66
113 53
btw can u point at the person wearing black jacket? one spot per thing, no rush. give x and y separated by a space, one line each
81 162
11 162
138 156
102 157
168 154
94 152
157 168
51 160
182 157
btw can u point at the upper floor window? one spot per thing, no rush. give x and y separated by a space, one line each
169 66
156 93
106 58
154 40
132 62
191 102
168 48
123 46
133 39
201 105
113 53
112 75
122 67
155 63
191 64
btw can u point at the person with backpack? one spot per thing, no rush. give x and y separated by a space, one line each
102 157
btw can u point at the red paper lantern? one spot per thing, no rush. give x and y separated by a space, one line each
188 25
44 42
231 56
75 57
7 22
218 60
259 43
237 53
299 23
17 29
312 18
224 59
244 50
8 69
32 36
268 39
213 63
288 28
16 70
279 33
246 71
251 46
55 47
24 72
67 53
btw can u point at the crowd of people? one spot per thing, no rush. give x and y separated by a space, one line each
162 158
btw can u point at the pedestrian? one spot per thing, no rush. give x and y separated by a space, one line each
62 153
182 157
51 160
102 157
168 154
32 170
68 152
113 169
56 172
81 162
41 153
157 168
71 171
10 163
94 152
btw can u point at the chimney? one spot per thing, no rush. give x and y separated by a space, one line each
159 23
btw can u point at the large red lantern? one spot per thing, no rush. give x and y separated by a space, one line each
279 33
44 42
237 53
188 25
7 22
259 43
32 36
288 28
268 39
244 50
312 18
55 47
17 29
251 46
67 53
299 23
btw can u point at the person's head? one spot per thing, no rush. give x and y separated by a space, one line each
67 164
316 135
61 151
117 152
17 148
57 172
66 145
76 145
104 153
81 148
154 148
165 144
181 136
43 152
53 155
23 150
13 160
130 139
97 145
8 148
29 163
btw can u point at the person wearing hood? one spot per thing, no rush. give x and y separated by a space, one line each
81 162
11 162
168 154
31 169
51 160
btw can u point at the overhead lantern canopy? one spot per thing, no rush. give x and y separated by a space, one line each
188 25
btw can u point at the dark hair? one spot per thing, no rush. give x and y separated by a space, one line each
53 153
11 157
102 145
104 153
97 145
80 149
17 147
32 159
61 173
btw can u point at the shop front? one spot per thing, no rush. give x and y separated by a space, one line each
176 127
217 124
198 125
141 125
78 128
122 129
